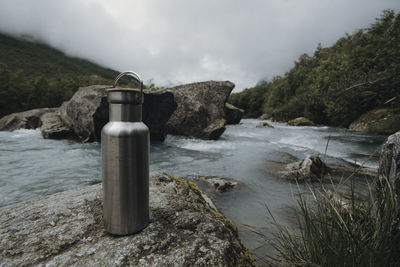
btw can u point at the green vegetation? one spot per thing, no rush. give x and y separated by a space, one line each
34 75
338 231
336 84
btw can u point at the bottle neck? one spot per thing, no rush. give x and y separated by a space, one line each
125 112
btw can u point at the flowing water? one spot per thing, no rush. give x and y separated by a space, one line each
31 166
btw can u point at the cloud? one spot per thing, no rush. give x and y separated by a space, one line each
179 41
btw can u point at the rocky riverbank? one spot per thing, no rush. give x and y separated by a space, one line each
66 229
196 110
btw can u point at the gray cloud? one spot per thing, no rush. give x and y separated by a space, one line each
179 41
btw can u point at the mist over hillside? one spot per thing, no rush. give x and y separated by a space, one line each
34 75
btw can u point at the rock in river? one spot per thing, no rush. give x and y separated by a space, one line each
264 124
312 168
84 115
30 119
301 121
200 112
378 121
66 229
218 184
233 115
87 112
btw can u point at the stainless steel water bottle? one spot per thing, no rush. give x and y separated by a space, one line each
125 161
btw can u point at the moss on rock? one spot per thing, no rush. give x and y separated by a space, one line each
378 121
301 121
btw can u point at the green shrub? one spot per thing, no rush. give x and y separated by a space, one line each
336 84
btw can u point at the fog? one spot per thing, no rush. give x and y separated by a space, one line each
177 41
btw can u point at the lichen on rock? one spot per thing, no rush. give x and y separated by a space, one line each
200 112
67 229
378 121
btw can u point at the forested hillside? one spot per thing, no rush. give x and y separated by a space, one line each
336 84
34 75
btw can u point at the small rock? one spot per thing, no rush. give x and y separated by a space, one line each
52 223
218 183
264 124
301 121
67 212
312 169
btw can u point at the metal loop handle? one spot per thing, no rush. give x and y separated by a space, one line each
134 75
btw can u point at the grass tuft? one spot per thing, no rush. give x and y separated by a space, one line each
334 230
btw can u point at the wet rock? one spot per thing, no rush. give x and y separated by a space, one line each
30 119
87 112
301 121
389 167
54 128
218 184
158 107
378 121
200 112
66 229
264 124
311 169
83 117
233 115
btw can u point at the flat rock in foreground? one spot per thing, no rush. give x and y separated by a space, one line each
66 229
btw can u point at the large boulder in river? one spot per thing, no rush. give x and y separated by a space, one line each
200 112
54 128
389 167
66 229
84 115
301 121
30 119
233 115
87 112
378 121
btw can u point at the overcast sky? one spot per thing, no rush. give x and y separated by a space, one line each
182 41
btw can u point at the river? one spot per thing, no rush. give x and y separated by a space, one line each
31 167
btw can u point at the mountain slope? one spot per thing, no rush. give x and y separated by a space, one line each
34 75
337 84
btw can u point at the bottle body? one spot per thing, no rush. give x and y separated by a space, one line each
125 163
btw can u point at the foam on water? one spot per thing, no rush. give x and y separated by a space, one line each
210 146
